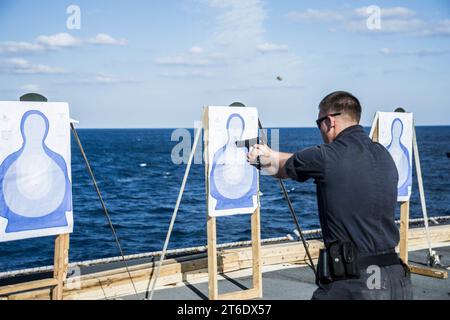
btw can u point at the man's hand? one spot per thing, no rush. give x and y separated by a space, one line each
265 157
271 162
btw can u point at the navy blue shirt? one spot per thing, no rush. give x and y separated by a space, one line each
356 182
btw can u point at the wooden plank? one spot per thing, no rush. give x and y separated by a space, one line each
256 252
61 262
248 294
440 233
213 291
38 294
375 129
292 258
404 228
28 286
271 249
428 272
195 261
212 259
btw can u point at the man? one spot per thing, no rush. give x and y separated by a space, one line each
357 195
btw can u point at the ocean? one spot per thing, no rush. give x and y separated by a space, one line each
140 186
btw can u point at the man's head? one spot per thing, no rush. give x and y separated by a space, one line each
337 111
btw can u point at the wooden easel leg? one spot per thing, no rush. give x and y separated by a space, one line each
212 259
404 229
61 262
256 252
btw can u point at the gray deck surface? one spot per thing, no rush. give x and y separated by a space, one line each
298 284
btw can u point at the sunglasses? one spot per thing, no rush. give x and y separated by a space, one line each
320 120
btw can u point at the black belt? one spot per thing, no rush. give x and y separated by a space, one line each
382 260
341 261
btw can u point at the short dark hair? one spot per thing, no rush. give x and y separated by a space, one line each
341 101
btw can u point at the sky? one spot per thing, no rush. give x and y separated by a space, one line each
144 64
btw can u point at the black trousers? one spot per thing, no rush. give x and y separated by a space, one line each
385 283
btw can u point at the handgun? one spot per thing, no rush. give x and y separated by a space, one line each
248 144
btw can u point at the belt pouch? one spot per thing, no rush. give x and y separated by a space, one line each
350 257
323 267
337 263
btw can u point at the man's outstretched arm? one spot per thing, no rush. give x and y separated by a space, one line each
301 166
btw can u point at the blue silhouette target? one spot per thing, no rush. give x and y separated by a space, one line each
233 182
401 157
396 135
35 189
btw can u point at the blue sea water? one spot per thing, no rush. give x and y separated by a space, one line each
141 199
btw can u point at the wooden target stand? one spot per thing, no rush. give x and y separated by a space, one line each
405 210
60 265
213 288
61 253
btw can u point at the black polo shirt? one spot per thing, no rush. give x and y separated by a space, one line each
356 182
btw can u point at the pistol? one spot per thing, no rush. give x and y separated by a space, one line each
248 144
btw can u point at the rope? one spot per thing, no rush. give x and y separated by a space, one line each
105 210
175 212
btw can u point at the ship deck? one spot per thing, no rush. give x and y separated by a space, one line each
184 276
293 282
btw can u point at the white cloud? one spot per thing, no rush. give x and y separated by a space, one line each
192 64
57 41
234 49
98 79
60 40
441 29
397 12
196 50
22 66
393 20
183 61
187 74
394 12
388 26
445 25
314 15
106 79
196 57
20 47
272 47
105 39
319 15
417 53
266 87
240 25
